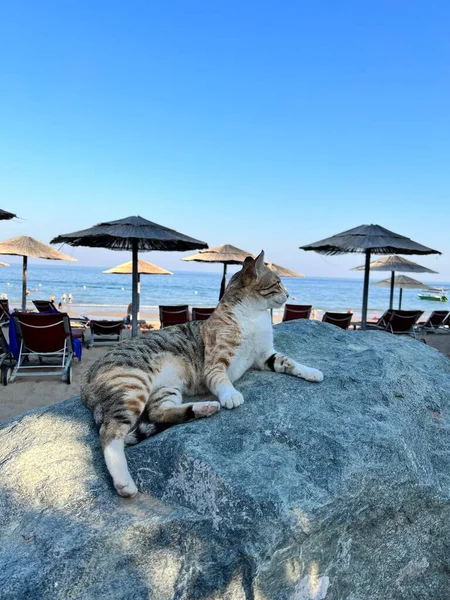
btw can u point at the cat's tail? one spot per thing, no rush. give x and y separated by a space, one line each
144 429
140 431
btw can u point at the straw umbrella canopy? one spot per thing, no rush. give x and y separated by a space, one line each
368 239
5 215
225 254
2 264
144 268
403 282
395 263
28 247
135 234
282 271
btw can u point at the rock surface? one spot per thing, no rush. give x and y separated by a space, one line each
328 491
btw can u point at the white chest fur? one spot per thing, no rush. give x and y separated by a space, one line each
256 340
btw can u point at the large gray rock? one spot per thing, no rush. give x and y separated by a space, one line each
326 491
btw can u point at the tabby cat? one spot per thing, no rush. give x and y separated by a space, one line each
136 389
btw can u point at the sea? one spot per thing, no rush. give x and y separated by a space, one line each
89 286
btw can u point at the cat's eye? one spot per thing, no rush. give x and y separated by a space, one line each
272 289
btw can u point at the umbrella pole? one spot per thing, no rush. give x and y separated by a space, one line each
391 298
138 315
400 299
223 284
24 283
135 291
365 291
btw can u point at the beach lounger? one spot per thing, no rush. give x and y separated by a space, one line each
45 306
383 320
7 361
105 333
380 324
296 311
128 321
201 313
78 324
399 322
446 322
435 320
44 345
173 315
5 315
341 320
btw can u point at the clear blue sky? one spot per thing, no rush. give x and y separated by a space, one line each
261 124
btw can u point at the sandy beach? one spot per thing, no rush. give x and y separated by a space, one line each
26 393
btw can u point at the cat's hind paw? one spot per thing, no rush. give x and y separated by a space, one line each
205 409
231 399
127 490
313 375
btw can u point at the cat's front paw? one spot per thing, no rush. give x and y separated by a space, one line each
231 398
127 490
313 375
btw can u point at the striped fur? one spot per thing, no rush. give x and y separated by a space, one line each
137 388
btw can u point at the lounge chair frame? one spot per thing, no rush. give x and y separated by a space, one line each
434 323
380 324
5 314
102 330
202 313
7 360
45 306
78 325
176 312
27 325
341 320
400 317
292 312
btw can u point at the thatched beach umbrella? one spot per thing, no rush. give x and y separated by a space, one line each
2 264
395 263
5 215
144 268
368 239
28 247
282 271
403 282
135 234
225 254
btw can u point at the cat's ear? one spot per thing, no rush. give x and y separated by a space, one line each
259 263
249 270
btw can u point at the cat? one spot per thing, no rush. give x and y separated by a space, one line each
136 389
